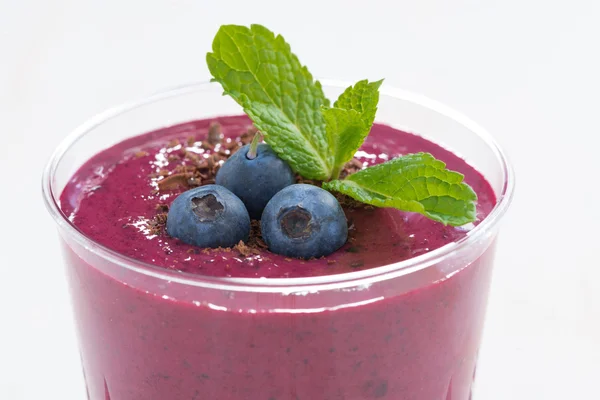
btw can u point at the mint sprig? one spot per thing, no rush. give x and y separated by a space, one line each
257 69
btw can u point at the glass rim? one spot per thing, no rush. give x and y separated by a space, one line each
278 285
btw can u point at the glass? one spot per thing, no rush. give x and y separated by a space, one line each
409 330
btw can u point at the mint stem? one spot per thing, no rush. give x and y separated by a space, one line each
337 170
252 153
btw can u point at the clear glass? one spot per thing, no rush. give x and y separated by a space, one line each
410 330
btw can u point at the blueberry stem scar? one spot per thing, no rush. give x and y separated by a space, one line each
296 223
252 153
207 208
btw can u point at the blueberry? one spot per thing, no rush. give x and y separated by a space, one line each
255 180
304 221
208 216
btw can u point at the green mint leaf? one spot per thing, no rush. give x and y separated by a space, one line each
260 72
362 97
415 182
349 122
346 130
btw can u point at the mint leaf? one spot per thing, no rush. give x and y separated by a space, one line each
260 72
349 121
346 130
362 97
415 182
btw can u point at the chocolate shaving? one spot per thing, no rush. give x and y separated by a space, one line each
348 202
211 161
194 181
183 169
162 207
192 156
207 146
301 179
157 224
214 133
173 181
256 241
202 165
243 249
232 144
351 167
161 219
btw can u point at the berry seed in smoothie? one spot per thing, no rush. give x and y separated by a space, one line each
329 192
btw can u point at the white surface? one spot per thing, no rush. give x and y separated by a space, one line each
526 70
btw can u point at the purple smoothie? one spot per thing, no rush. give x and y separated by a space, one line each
398 339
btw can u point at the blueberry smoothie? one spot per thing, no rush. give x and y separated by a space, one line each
411 338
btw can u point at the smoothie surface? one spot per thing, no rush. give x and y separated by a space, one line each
119 198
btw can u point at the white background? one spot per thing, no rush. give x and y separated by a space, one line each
526 70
